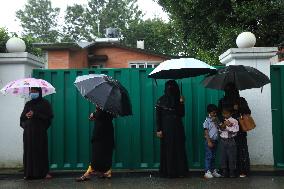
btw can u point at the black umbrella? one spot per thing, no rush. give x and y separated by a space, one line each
105 92
244 77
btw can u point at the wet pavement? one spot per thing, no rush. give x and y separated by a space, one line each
143 181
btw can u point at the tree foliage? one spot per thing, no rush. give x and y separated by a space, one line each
158 36
81 23
39 20
211 27
4 37
75 27
113 13
89 22
29 40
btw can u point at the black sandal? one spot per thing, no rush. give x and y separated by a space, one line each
82 179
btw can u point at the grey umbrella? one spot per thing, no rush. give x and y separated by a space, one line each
244 77
105 92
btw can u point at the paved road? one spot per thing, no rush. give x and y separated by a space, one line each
143 181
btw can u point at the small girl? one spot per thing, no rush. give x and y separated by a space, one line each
228 131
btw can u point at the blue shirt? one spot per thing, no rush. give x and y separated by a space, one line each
212 128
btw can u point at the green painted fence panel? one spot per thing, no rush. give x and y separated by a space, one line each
277 105
136 145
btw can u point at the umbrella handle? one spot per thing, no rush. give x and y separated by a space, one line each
156 82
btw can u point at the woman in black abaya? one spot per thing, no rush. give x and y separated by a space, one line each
102 146
240 106
169 113
35 120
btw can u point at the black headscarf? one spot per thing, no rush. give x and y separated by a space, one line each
231 92
231 98
171 95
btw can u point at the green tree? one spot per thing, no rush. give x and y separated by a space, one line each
29 40
116 13
158 36
4 37
75 24
90 22
82 24
211 27
39 20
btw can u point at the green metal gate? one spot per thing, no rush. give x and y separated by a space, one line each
136 146
277 106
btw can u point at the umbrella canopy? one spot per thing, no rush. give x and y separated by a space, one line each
181 68
21 87
244 77
105 92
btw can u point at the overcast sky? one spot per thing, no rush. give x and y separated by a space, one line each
8 10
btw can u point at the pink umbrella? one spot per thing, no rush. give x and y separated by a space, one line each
21 87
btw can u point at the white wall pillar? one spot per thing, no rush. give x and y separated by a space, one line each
260 141
13 66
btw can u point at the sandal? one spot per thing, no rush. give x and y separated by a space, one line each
48 176
82 179
106 174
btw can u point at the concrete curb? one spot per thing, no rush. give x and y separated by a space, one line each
17 173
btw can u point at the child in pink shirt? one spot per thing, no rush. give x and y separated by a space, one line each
228 131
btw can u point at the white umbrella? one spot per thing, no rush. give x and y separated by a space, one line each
181 68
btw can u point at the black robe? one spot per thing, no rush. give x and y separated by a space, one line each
35 139
243 160
102 141
173 160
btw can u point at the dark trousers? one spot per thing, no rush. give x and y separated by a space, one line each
228 154
210 156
